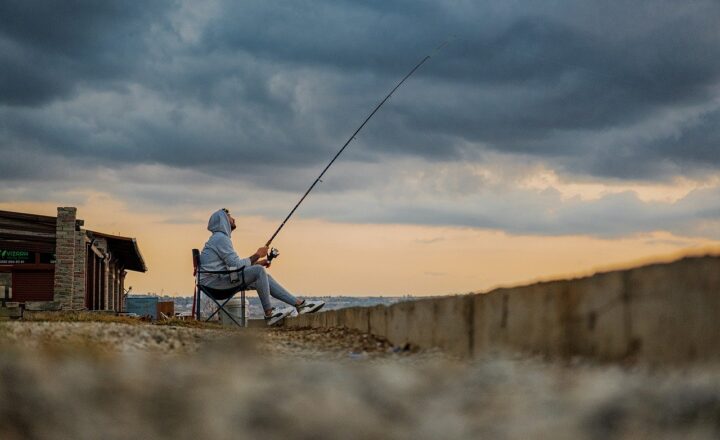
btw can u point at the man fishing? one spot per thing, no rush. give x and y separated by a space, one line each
218 254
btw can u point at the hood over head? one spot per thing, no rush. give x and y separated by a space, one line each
219 223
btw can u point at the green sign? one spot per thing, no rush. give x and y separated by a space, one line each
16 257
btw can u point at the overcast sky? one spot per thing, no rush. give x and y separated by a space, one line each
532 106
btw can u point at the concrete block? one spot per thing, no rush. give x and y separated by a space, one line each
490 322
42 306
398 315
422 323
454 324
293 322
532 317
594 314
357 318
331 318
559 318
480 343
257 323
342 318
377 320
327 319
674 310
11 312
316 320
308 321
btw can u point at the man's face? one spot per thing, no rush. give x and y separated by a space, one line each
232 221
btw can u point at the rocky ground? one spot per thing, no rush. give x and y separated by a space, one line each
119 380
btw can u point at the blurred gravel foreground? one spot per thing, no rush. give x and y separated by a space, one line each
111 380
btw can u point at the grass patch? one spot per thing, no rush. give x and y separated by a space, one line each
70 316
190 323
84 316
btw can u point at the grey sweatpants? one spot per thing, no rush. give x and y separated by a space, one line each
257 278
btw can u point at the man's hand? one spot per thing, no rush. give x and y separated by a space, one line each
261 252
263 263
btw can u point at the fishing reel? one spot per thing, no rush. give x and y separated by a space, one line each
274 253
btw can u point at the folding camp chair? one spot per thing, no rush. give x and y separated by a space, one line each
217 295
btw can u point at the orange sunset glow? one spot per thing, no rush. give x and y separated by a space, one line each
325 258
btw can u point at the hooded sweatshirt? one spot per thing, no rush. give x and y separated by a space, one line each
218 253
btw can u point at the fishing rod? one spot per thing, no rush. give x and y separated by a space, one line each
274 253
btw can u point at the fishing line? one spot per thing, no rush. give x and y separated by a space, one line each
274 252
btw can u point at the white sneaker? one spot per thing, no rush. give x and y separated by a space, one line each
309 306
277 316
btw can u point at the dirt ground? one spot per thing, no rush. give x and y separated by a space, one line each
125 380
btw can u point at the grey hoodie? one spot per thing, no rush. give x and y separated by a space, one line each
218 253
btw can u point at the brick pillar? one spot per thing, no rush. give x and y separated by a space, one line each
65 256
79 272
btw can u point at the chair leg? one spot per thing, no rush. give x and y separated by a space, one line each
196 298
243 310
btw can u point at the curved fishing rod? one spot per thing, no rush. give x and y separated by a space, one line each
274 252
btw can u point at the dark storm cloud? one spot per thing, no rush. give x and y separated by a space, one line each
697 145
517 76
547 80
48 49
262 94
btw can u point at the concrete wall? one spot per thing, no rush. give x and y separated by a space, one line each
667 313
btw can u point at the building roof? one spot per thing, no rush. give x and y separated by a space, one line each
37 234
30 217
34 233
125 249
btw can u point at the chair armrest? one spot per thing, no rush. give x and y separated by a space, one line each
224 272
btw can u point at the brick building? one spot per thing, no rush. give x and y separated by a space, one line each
54 260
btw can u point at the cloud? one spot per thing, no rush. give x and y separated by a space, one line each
399 192
429 240
48 49
201 104
288 82
501 200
